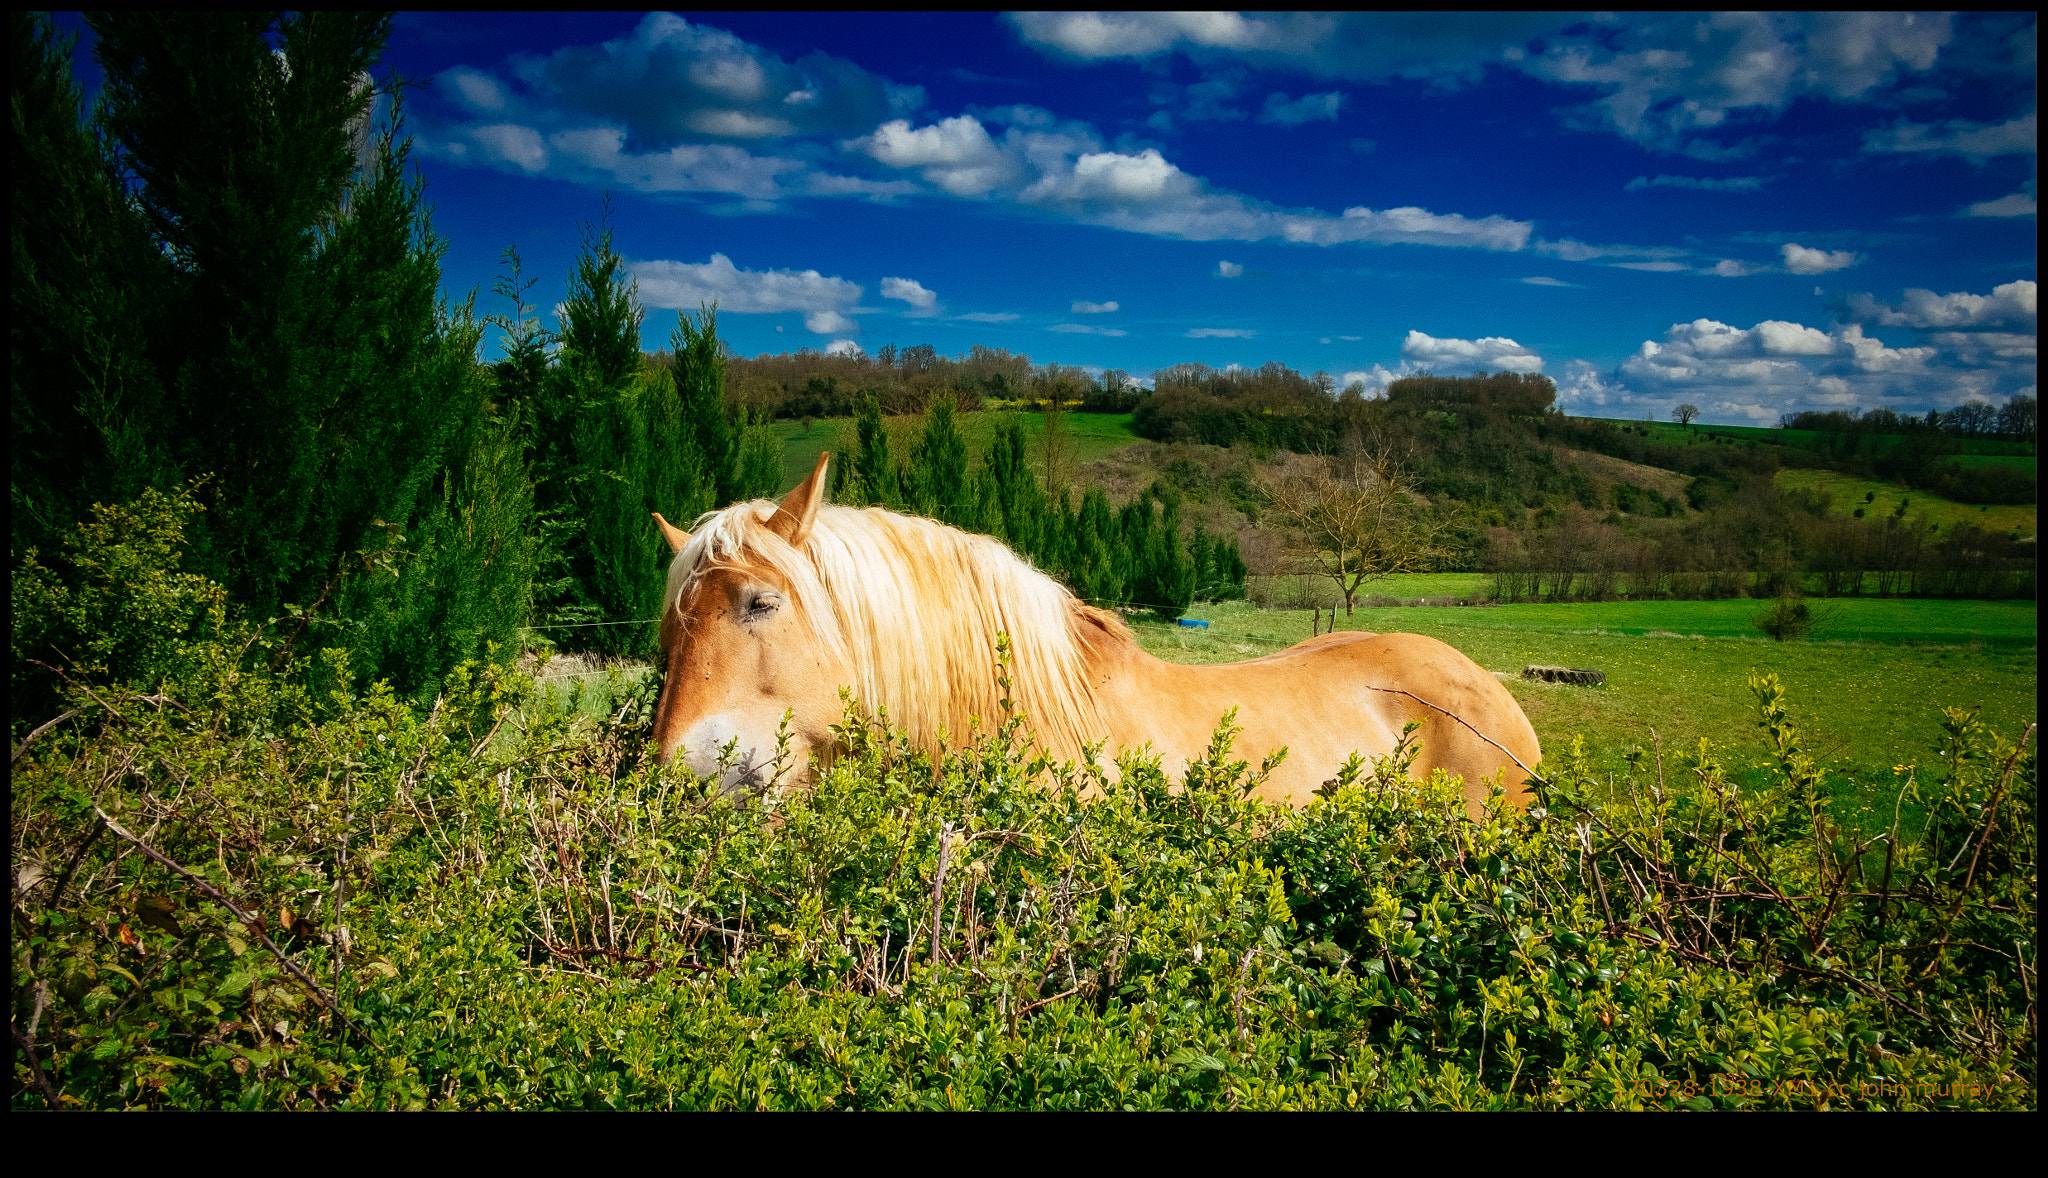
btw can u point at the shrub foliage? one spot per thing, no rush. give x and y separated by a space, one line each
236 891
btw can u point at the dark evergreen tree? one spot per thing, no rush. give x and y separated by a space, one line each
85 288
264 328
699 375
936 483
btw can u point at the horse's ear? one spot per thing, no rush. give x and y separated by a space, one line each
677 538
799 509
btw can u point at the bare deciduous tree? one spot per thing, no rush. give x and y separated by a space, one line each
1685 414
1352 519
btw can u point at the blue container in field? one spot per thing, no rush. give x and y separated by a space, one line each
1193 623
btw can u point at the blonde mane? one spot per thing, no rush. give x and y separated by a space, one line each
914 607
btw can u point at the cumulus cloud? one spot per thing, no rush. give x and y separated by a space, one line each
1703 184
909 290
2013 305
1090 35
1974 141
1732 268
1064 169
670 81
1220 333
1670 77
686 285
1801 260
1371 382
1229 270
1668 81
2018 204
843 347
1082 307
1085 329
1776 366
1420 351
1309 108
955 155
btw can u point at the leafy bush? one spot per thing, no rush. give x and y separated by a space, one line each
492 904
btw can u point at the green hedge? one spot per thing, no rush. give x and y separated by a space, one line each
498 904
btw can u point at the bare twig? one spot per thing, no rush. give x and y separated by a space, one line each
27 1044
39 730
939 886
248 919
1535 776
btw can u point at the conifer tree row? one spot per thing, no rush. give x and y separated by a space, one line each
1135 556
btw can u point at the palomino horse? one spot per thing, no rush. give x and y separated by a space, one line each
775 607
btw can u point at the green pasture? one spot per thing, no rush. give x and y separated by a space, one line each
1094 436
1847 493
1680 668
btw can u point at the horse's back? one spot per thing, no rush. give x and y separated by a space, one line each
1366 686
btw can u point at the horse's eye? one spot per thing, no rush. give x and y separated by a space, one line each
763 603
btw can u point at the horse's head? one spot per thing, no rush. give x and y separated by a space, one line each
738 643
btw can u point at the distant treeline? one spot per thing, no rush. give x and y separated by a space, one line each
810 383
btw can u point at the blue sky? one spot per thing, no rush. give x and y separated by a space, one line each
1753 213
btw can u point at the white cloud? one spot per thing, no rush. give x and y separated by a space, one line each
479 91
1976 141
1801 260
1420 351
1064 169
1572 250
2015 304
953 154
1749 409
922 302
843 347
1653 267
1372 381
1542 281
1669 77
1727 184
1583 387
1220 333
1309 108
670 81
1137 34
513 144
1731 268
2018 204
686 285
1229 270
828 323
1082 307
988 317
1085 329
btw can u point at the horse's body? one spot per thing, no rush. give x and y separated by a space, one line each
775 607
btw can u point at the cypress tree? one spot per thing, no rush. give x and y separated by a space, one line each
84 287
871 477
758 464
936 483
293 351
699 375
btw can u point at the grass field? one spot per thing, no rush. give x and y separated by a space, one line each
1679 668
1095 435
1847 492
